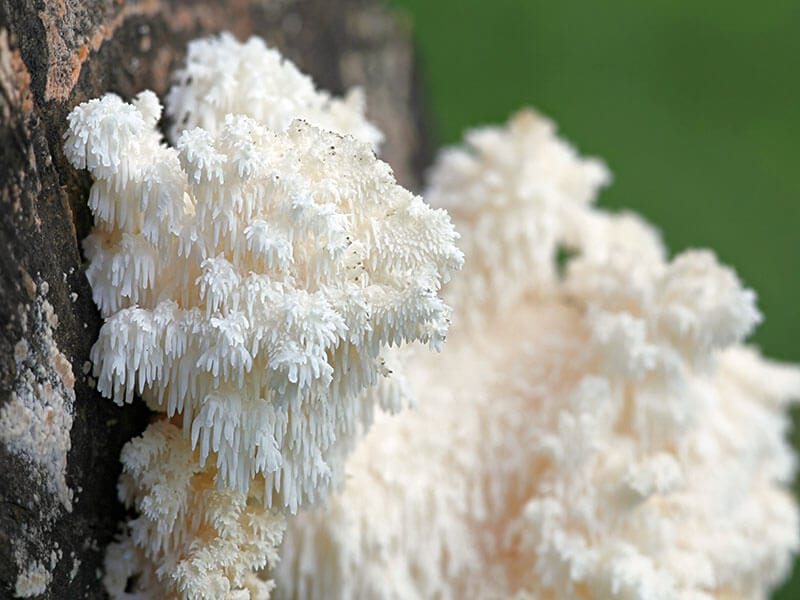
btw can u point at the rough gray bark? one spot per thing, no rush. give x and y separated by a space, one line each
53 55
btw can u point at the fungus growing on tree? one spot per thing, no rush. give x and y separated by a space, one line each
596 427
252 278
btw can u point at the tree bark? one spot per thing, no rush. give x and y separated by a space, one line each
55 520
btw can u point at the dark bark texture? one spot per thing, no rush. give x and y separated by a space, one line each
55 54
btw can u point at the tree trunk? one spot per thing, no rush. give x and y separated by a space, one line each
59 440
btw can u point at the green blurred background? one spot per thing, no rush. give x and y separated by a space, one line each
695 106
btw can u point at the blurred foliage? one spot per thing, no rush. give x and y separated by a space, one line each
695 106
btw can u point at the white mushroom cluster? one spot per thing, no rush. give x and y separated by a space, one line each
599 432
252 278
190 539
223 76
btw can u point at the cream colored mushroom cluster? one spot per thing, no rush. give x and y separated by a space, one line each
599 432
252 278
517 196
594 427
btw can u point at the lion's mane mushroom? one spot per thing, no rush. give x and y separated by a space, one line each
252 279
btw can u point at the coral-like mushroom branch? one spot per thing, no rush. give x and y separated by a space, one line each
252 279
